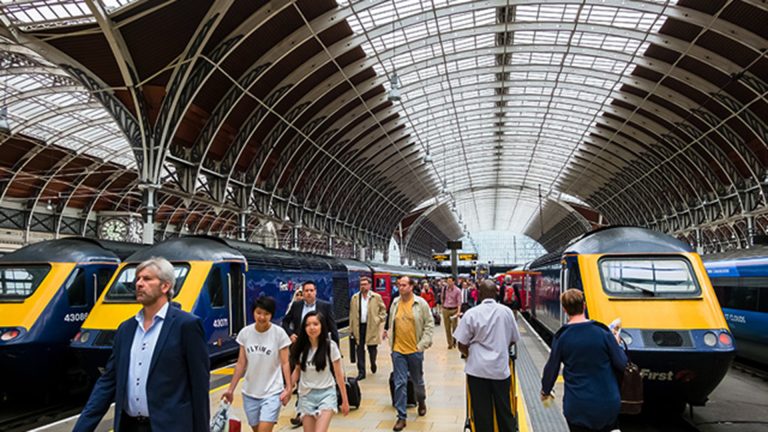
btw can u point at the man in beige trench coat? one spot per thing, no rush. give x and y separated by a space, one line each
366 315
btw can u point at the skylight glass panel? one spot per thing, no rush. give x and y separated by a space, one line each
68 118
37 14
547 94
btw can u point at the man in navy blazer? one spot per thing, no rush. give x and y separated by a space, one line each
158 374
294 317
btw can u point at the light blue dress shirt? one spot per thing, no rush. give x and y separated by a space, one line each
307 309
141 355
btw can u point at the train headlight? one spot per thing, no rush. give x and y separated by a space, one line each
83 337
710 339
626 337
10 335
725 339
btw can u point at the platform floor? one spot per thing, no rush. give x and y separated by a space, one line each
445 380
444 376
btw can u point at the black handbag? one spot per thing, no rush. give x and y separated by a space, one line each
631 387
352 348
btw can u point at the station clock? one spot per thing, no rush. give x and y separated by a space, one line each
114 228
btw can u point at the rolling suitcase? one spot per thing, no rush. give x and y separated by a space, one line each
411 390
469 423
354 396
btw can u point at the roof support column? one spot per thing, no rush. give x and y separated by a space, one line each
148 202
750 231
242 224
296 232
699 247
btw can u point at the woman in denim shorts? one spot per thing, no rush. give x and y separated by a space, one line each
263 360
318 372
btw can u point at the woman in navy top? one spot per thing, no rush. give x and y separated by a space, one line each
592 360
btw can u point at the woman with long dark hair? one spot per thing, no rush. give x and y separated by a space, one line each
317 372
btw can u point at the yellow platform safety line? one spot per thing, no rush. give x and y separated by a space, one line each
522 412
560 380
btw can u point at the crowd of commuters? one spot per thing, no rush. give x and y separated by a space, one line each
159 364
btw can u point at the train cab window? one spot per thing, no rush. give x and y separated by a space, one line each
648 277
19 282
216 287
75 286
102 279
124 288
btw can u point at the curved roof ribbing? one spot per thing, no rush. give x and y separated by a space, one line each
650 112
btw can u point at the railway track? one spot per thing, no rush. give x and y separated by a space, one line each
23 418
750 369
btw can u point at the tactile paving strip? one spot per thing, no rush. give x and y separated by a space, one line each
542 419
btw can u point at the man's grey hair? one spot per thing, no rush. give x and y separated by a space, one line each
164 270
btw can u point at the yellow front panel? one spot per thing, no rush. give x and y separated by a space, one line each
25 314
699 312
108 316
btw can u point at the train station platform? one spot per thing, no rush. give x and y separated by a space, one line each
446 401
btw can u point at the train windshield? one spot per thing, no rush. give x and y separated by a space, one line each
124 288
18 282
648 277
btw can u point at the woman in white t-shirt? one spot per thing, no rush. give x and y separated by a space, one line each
318 372
263 357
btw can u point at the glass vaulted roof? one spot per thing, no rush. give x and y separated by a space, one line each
501 94
38 14
45 103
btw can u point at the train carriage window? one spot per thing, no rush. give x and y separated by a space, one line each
742 298
648 277
75 286
762 305
124 288
216 287
19 282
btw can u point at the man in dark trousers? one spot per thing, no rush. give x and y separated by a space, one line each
489 329
366 315
293 319
158 374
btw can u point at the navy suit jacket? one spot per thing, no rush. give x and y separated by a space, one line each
178 381
292 320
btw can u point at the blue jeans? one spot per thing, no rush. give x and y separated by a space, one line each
405 365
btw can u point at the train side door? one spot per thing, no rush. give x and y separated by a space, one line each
217 319
564 278
238 315
380 286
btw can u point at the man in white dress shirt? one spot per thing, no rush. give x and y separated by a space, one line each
484 335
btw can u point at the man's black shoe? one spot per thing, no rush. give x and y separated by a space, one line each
373 367
360 377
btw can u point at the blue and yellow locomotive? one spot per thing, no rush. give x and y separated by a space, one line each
672 323
47 290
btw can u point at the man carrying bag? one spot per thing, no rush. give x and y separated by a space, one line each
366 314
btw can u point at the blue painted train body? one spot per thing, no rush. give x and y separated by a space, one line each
740 280
221 279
